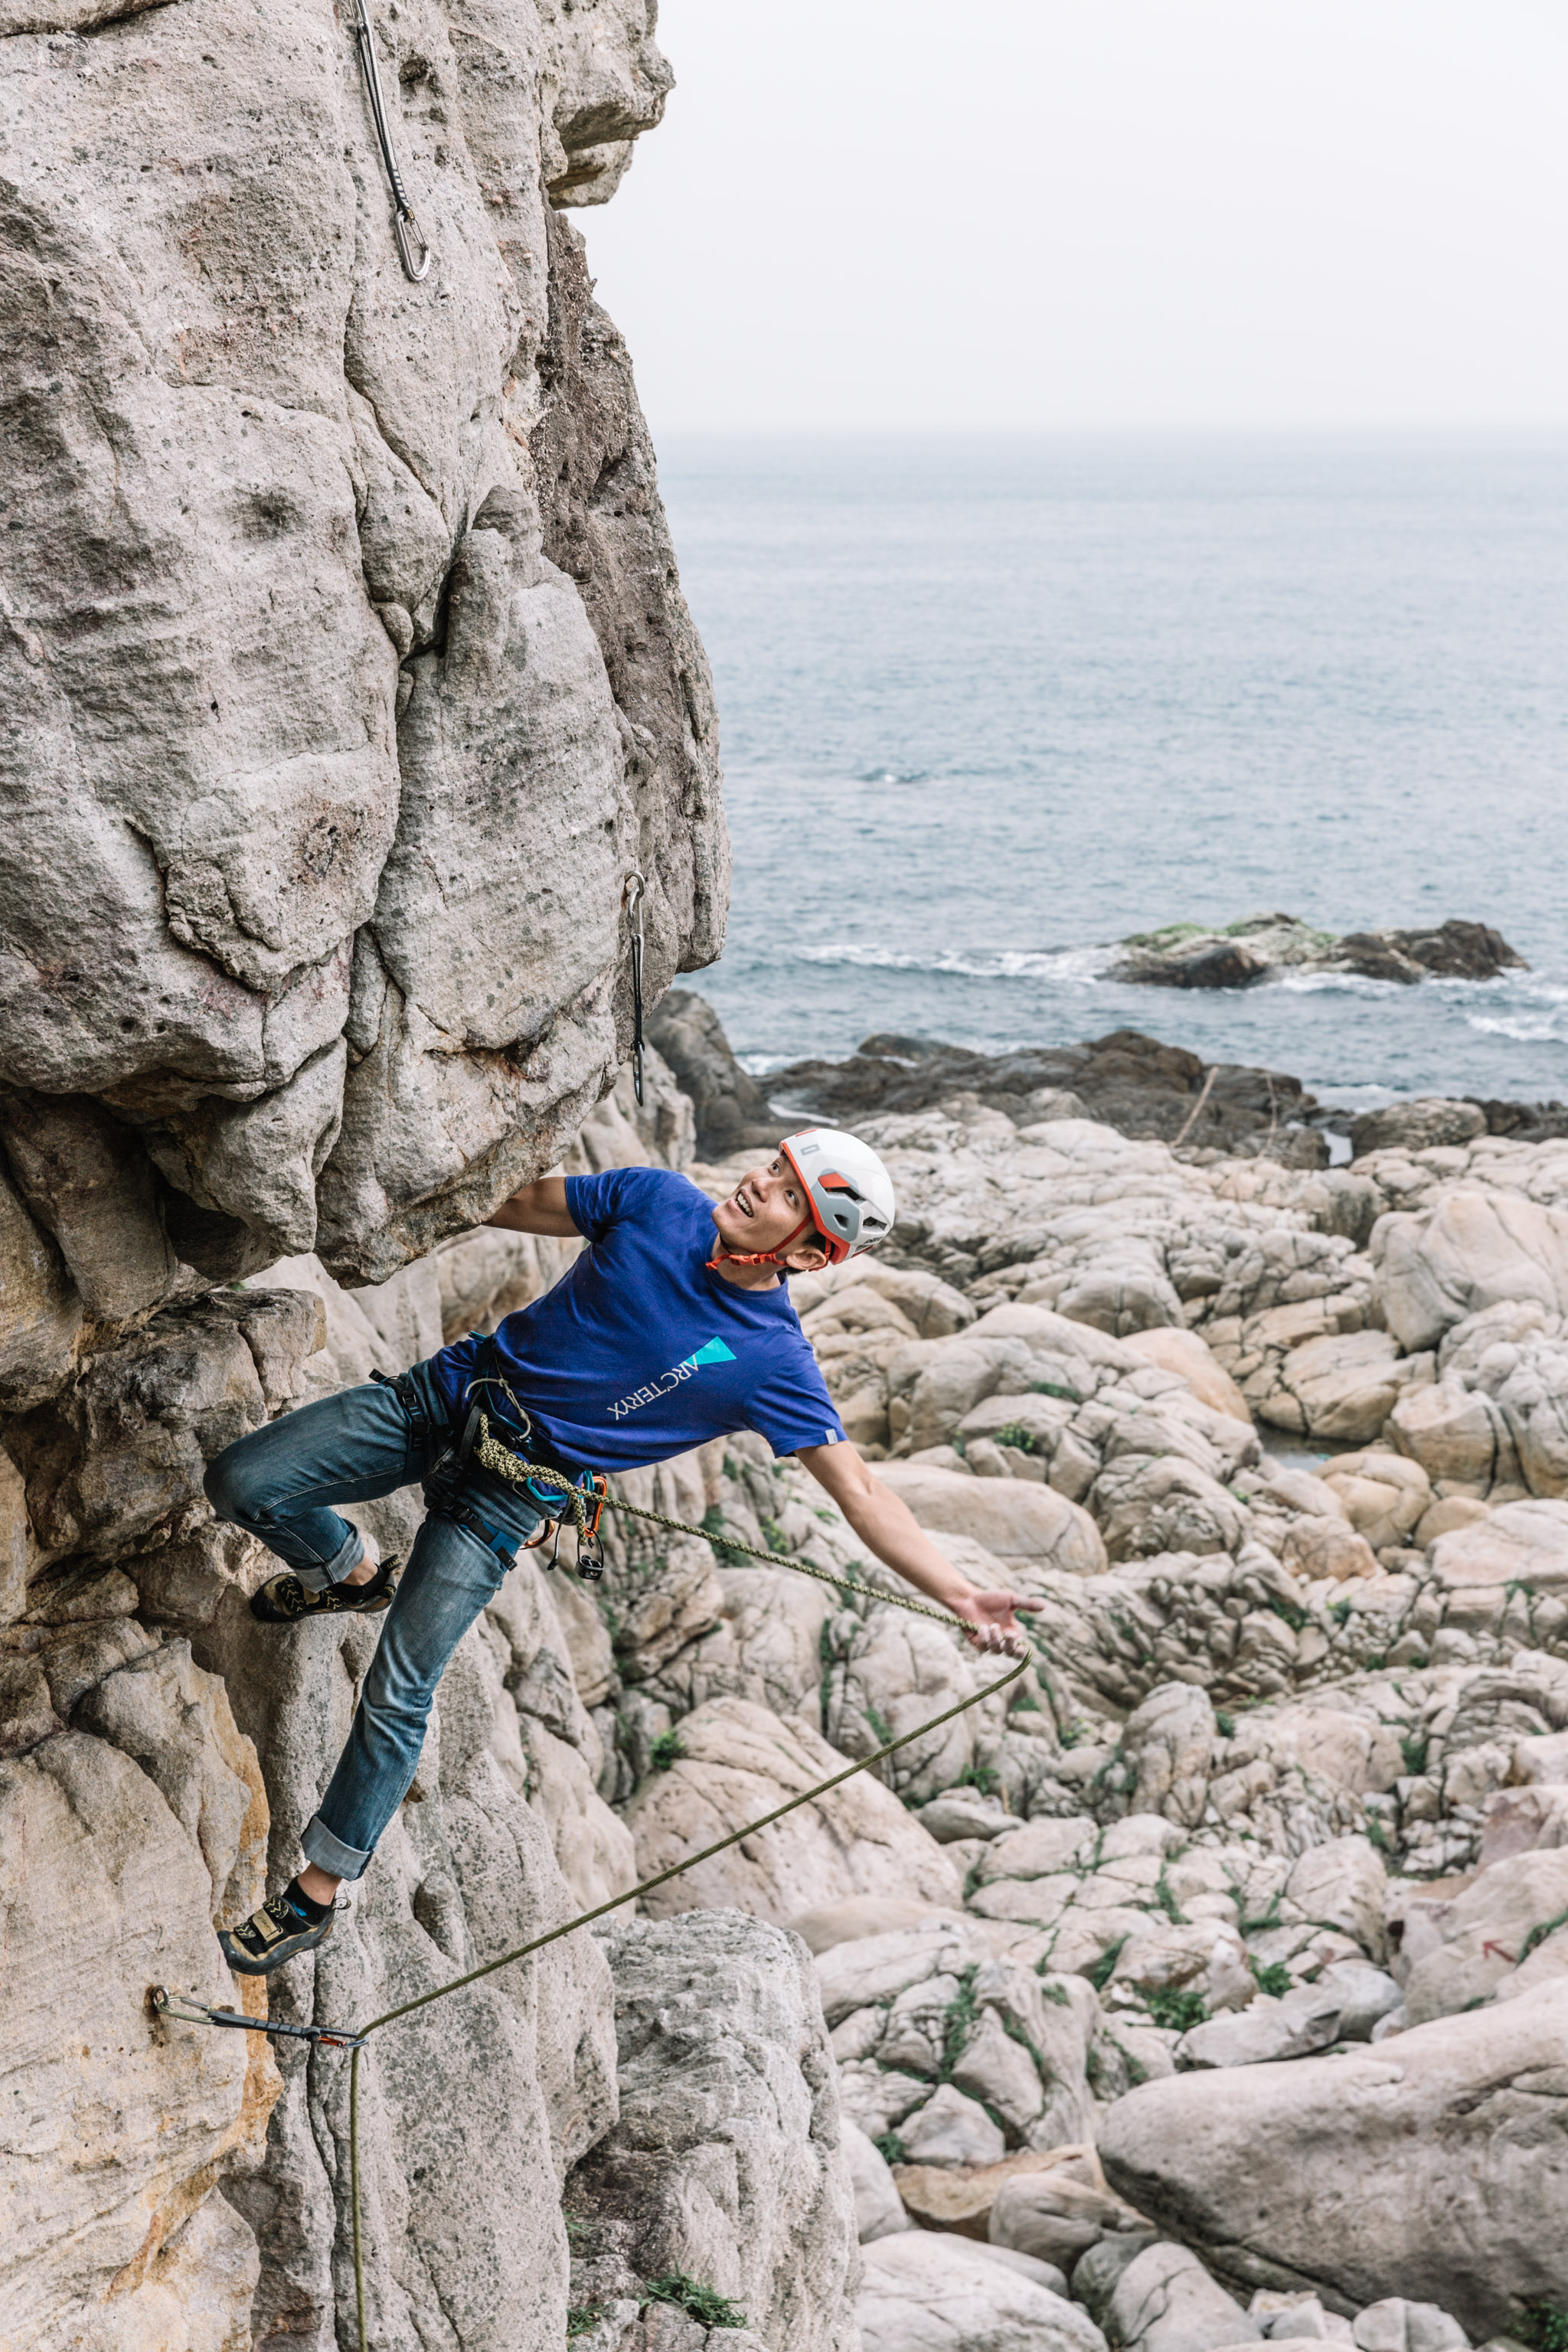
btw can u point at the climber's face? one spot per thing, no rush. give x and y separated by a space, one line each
766 1207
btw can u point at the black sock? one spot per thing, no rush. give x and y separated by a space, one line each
313 1911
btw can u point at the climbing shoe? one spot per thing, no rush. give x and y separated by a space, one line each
280 1931
284 1600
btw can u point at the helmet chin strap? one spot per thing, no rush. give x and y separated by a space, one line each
760 1257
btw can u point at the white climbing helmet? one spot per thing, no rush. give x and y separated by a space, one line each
849 1191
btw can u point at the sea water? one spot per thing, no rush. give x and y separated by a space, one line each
988 706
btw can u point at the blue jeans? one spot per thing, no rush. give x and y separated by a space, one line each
280 1485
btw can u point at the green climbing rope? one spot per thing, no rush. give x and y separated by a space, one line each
489 1451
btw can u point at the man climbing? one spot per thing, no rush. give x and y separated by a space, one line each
653 1342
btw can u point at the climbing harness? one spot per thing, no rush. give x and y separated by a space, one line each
410 238
534 1475
637 890
197 2012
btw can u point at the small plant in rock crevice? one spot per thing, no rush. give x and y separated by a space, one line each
1100 1974
1177 2007
1543 2325
1164 1896
1538 1934
1413 1751
700 2303
1272 1976
1224 1724
713 1528
1015 1436
580 2321
958 2020
667 1749
889 2147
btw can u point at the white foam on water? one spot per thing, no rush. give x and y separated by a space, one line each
1069 967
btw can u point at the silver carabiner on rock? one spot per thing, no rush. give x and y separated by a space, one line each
410 238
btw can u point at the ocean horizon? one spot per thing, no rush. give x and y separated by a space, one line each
989 704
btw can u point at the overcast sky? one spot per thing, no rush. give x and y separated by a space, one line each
896 213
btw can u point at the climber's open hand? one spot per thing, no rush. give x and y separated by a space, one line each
990 1621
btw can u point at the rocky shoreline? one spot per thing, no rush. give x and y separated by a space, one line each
1128 1081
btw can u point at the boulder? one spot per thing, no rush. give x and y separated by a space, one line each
1502 1934
1053 2216
1396 2324
1327 1546
1343 2005
1343 1386
1023 1525
1175 1349
1517 1544
1473 1250
952 2129
732 1112
726 2164
1519 1820
1165 2301
1384 1496
1344 1885
1169 1742
1462 2125
878 2211
1429 1122
741 1762
1455 1434
860 1918
929 2293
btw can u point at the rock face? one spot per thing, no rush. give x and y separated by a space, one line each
726 2166
328 759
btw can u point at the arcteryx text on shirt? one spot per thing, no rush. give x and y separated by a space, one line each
641 1350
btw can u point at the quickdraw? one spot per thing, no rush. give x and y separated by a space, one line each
412 240
637 890
195 2013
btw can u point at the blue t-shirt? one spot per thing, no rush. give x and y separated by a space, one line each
641 1351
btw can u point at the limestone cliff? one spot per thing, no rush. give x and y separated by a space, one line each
346 680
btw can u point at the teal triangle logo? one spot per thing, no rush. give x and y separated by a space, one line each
713 1352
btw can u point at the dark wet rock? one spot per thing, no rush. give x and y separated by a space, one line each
732 1112
1124 1080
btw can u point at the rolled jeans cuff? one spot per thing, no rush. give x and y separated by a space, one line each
328 1853
343 1562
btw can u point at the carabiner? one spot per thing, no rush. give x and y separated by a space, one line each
402 223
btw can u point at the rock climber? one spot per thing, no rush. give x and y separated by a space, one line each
673 1327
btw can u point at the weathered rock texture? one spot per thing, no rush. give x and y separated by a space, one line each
331 738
